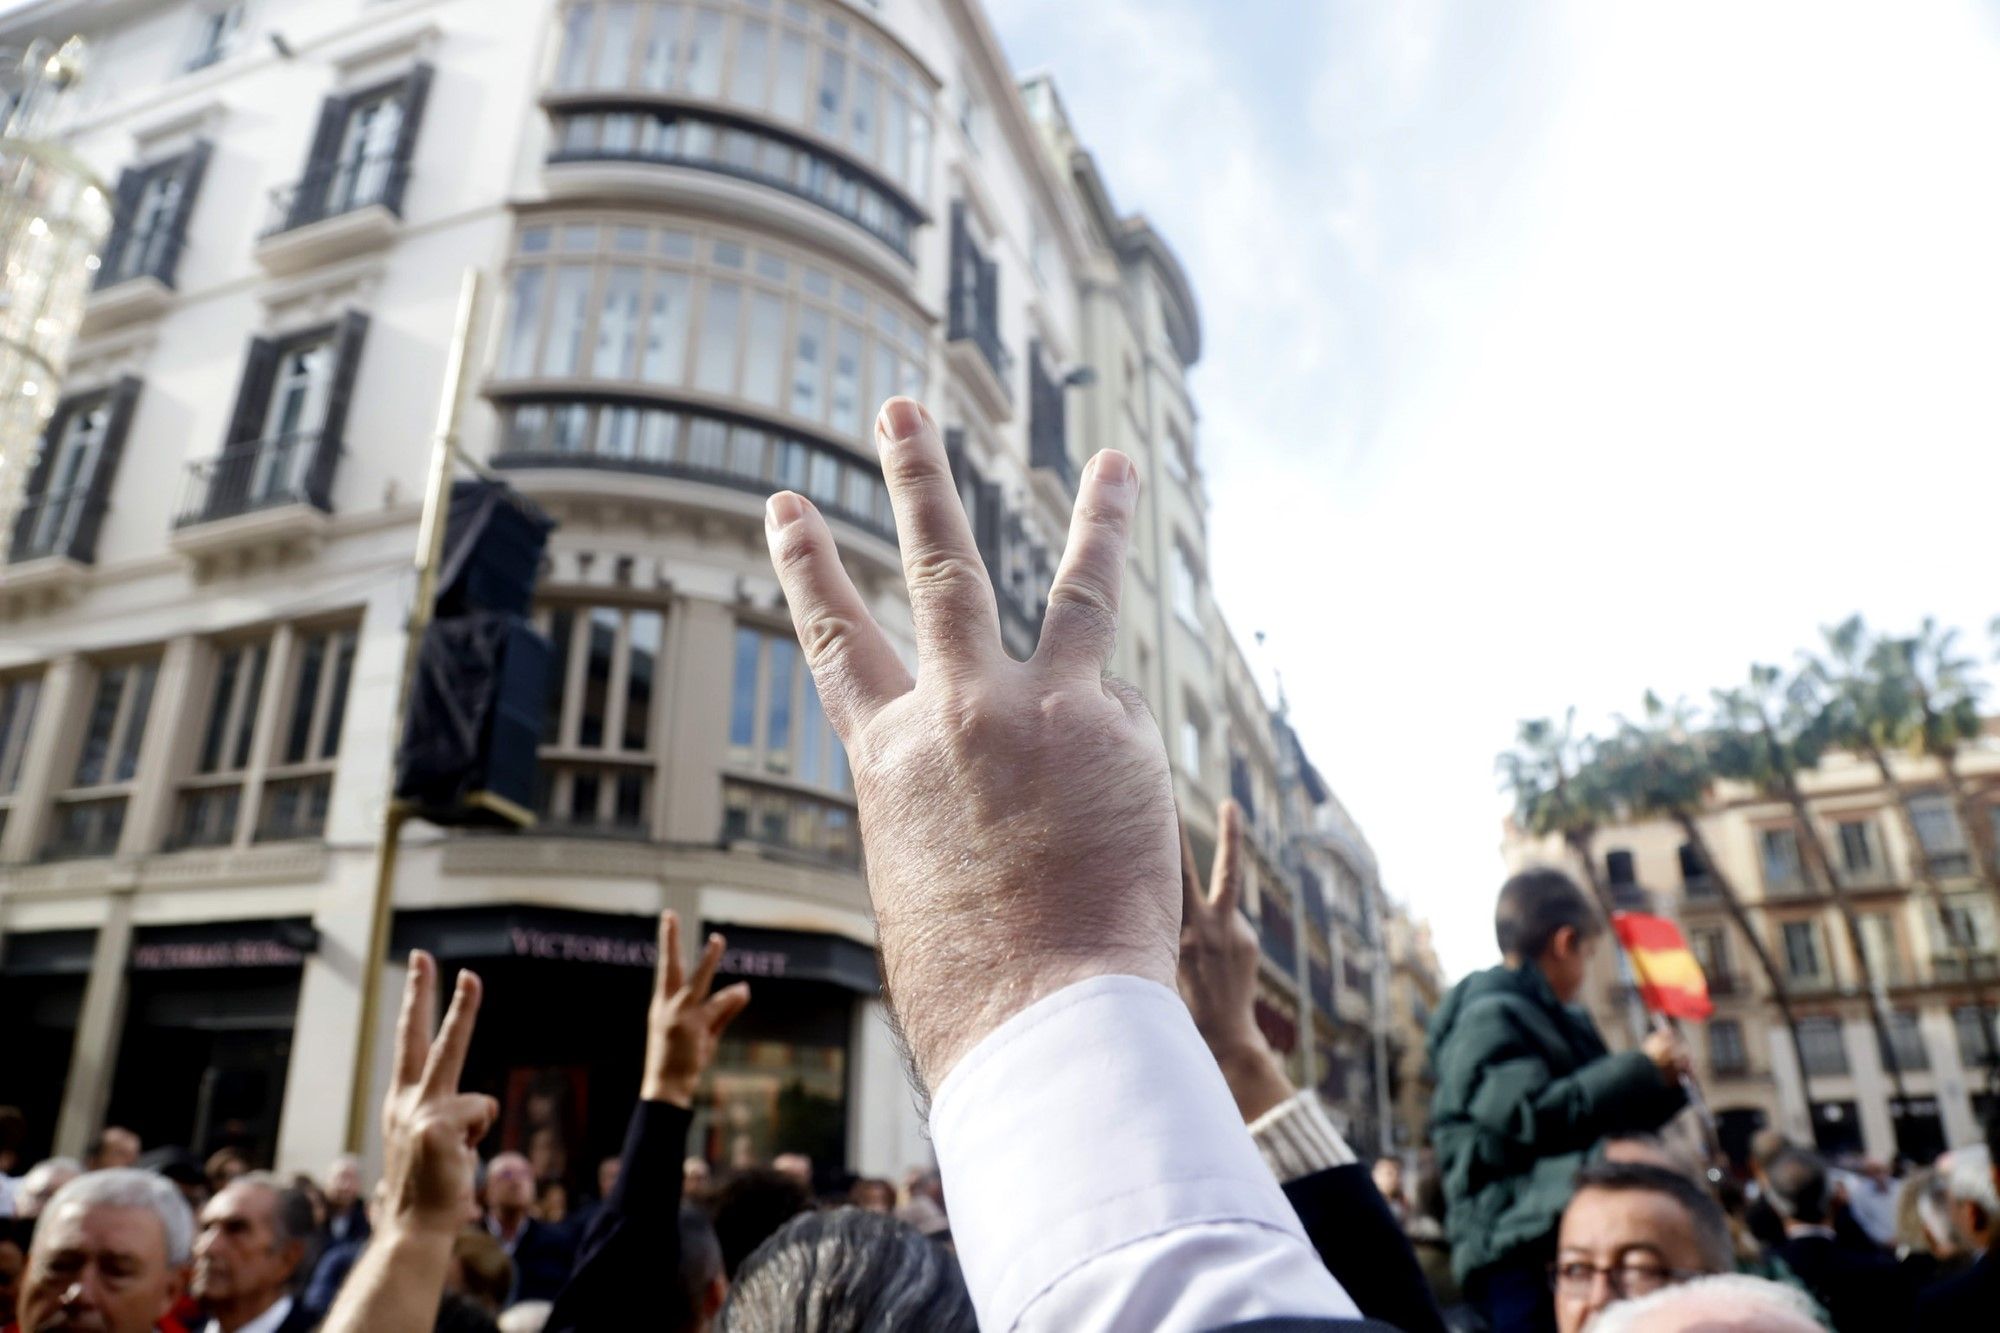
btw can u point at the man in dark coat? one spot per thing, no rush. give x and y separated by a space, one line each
1971 1299
1856 1282
1525 1091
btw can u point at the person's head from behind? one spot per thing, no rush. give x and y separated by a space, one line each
795 1164
1796 1183
223 1166
480 1270
1923 1217
847 1271
1632 1228
1545 919
114 1146
751 1205
1975 1209
877 1196
1765 1145
253 1238
44 1178
696 1299
110 1252
1727 1303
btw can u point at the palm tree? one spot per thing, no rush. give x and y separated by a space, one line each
1555 794
1766 737
1660 769
1864 711
1943 697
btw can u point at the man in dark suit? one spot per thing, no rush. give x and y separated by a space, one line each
543 1253
1860 1286
1971 1299
253 1239
346 1208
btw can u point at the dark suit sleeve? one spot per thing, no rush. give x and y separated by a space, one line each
636 1236
1358 1239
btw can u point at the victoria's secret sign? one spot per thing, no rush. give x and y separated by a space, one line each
196 955
563 946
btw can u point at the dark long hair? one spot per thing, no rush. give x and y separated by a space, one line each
848 1271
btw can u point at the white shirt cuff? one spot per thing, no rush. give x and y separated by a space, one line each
1093 1160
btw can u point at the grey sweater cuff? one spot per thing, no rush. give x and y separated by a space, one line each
1296 1139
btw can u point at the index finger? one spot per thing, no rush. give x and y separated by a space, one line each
447 1060
667 970
704 971
413 1023
951 599
1225 878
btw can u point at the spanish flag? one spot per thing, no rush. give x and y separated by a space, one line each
1670 980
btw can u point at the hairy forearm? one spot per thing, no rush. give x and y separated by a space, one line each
395 1286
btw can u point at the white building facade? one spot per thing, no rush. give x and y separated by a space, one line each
719 235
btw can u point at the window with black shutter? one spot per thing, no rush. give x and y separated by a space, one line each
361 152
155 203
71 483
286 434
975 294
1048 434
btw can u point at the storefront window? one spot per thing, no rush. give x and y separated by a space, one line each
597 762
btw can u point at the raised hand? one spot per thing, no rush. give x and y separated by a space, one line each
1218 971
1017 816
430 1130
685 1023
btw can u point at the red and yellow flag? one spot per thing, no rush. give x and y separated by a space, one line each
1670 980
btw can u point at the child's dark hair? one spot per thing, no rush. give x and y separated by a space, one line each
1534 905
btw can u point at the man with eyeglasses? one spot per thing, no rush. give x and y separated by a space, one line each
1632 1229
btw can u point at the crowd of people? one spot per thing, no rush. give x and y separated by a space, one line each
1117 1146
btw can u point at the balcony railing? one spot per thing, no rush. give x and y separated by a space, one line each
287 470
1737 1067
1279 936
206 817
48 524
1950 967
979 324
1727 983
754 153
337 188
294 807
1321 976
790 821
85 828
692 445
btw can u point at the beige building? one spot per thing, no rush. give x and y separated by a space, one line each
1930 988
1416 985
718 235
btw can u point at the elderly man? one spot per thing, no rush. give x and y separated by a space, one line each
1970 1299
1632 1228
253 1239
1859 1285
34 1190
542 1253
108 1256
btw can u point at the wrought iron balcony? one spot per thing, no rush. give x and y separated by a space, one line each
49 524
978 323
337 188
292 469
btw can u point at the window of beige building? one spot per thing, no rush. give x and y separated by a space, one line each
1821 1046
1802 950
1942 835
18 697
787 784
1186 588
1860 850
598 762
1726 1054
1906 1043
1778 853
89 816
290 780
809 66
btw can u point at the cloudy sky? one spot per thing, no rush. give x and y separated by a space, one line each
1555 351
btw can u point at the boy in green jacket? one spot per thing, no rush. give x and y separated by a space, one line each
1525 1091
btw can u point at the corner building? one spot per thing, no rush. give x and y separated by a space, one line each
719 234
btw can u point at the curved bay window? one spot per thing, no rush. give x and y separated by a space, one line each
814 67
787 784
675 308
782 160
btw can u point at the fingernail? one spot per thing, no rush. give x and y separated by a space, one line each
414 955
784 508
1114 468
901 419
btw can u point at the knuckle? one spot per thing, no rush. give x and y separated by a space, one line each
797 549
1084 596
913 467
826 636
943 571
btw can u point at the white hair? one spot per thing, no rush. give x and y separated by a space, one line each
129 1187
1725 1303
527 1317
41 1173
1970 1179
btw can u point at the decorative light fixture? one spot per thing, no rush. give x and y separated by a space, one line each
54 216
